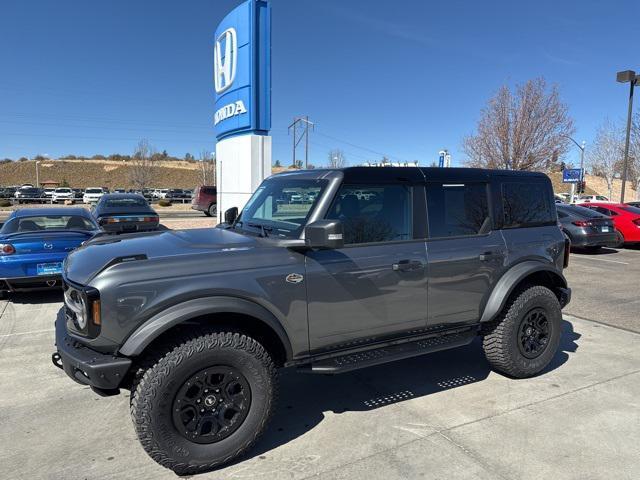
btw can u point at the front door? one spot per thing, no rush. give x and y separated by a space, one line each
375 287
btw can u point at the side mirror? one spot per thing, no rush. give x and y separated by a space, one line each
324 234
231 215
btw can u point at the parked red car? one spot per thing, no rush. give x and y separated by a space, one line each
205 199
626 219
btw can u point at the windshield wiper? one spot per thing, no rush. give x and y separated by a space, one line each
262 227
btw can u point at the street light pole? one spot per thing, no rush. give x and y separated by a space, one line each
624 77
37 174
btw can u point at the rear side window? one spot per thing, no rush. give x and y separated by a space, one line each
208 190
527 205
458 209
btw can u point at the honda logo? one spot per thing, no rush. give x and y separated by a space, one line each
225 59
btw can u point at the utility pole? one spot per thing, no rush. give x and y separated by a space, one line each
628 76
305 124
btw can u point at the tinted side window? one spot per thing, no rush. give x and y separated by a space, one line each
373 213
527 205
457 209
561 214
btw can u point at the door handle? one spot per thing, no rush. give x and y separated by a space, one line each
407 266
488 256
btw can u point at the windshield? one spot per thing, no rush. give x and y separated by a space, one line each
281 206
580 211
635 210
125 202
93 190
44 223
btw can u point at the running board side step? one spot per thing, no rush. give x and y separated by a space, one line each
390 353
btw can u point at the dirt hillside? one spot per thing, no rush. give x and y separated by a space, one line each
97 173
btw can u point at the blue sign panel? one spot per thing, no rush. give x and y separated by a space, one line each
441 161
571 175
242 71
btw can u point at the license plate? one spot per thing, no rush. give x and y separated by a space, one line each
49 268
605 229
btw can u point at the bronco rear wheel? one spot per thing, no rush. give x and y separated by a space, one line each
525 337
205 402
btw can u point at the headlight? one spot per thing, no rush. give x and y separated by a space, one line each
83 311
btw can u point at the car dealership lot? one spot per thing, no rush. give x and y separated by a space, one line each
439 416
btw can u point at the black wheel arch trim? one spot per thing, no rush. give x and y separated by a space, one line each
508 282
182 312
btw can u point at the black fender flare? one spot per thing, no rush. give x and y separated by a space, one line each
510 280
181 312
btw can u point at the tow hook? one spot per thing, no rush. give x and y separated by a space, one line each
57 360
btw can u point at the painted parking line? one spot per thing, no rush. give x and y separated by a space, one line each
573 257
32 332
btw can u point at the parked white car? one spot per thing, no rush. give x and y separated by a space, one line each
160 192
48 192
592 198
61 194
92 195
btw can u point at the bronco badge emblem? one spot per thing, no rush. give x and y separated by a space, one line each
294 278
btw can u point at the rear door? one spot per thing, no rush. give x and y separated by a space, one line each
465 251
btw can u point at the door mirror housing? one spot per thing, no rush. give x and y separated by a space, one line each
230 215
324 234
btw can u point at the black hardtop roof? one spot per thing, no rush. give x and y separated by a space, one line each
410 174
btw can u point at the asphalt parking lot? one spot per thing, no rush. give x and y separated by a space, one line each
440 416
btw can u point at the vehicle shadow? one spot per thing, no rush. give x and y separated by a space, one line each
37 297
600 251
305 398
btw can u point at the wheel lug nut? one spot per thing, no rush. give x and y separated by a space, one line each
202 410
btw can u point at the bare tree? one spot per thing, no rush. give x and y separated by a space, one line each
605 155
336 159
143 165
207 167
524 130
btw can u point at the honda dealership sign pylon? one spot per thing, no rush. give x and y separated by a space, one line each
242 113
242 71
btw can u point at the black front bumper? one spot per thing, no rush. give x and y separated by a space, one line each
100 371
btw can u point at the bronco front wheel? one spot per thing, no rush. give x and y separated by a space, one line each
205 402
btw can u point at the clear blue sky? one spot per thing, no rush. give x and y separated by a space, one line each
403 78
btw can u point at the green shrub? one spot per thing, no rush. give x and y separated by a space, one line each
163 202
4 202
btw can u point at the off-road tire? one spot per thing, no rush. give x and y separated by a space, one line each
154 392
500 342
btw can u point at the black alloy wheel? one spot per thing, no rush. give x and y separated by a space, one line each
533 334
212 404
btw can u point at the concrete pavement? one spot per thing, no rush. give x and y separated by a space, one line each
440 416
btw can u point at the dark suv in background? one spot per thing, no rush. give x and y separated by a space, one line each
325 271
205 199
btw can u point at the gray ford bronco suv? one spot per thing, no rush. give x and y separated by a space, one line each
325 271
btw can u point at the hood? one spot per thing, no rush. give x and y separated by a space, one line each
100 254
